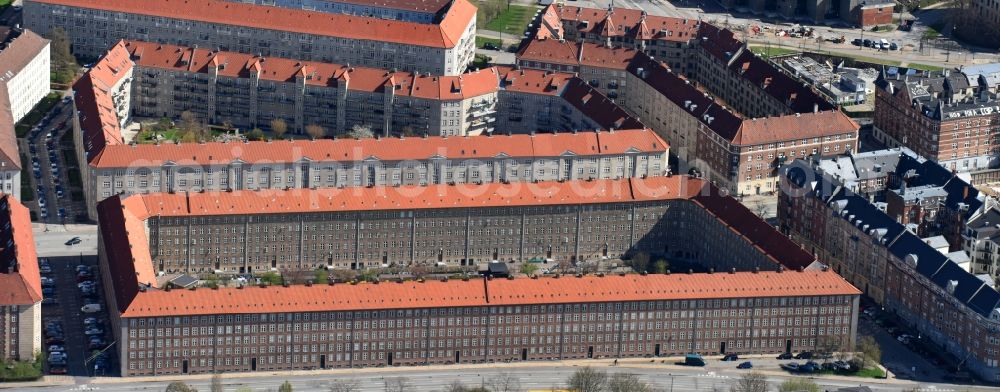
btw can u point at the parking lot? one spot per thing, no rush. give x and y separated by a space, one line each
48 145
905 353
72 323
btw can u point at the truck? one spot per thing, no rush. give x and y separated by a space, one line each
694 360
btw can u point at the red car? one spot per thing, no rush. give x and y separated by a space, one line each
57 370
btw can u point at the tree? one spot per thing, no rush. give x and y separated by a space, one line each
798 384
750 382
279 127
588 380
504 382
625 382
344 386
61 57
397 384
529 268
457 386
255 134
217 383
322 275
661 266
315 131
178 386
640 262
285 387
828 346
871 353
192 126
361 131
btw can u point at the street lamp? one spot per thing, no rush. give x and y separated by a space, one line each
861 21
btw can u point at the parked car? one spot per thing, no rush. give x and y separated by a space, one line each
893 46
785 355
90 308
809 367
856 42
45 269
804 355
73 241
745 365
731 357
791 366
50 301
93 331
56 348
48 291
57 369
54 340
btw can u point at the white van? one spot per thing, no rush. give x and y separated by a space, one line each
885 44
91 308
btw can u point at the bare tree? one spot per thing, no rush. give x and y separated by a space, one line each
216 383
344 386
798 384
279 127
504 382
315 131
397 384
750 382
625 382
828 346
588 380
640 262
361 131
871 353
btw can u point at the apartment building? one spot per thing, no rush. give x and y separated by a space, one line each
21 292
443 48
734 150
951 117
981 240
217 167
461 224
947 305
914 191
445 223
24 81
545 101
667 39
426 12
138 80
987 10
602 67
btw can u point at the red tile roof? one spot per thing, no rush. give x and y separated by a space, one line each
386 149
92 98
122 230
667 287
624 22
241 65
446 34
795 127
477 292
551 51
20 281
414 197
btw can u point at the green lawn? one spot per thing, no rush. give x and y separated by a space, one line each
482 41
21 370
772 51
513 21
36 114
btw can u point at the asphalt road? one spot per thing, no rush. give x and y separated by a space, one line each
533 376
50 240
